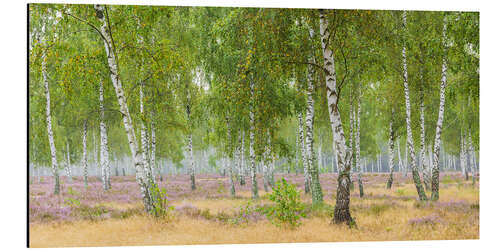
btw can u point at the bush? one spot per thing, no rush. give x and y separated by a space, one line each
287 208
161 206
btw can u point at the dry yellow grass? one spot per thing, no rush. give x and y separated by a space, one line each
389 223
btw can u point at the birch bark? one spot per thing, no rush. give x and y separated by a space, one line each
50 133
317 193
358 149
416 176
104 141
230 159
471 160
242 157
255 190
305 162
144 184
391 156
439 123
342 212
68 163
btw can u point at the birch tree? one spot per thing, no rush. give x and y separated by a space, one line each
409 135
342 212
439 124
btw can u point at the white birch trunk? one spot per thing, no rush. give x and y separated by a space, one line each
68 163
471 160
305 162
104 141
153 148
358 149
409 135
255 190
242 157
341 213
50 133
127 121
84 157
230 160
317 193
400 161
391 156
439 124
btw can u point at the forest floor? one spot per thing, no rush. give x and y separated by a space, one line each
208 215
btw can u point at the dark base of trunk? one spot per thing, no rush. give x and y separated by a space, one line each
255 191
389 182
57 185
361 191
342 213
466 176
343 216
193 184
418 185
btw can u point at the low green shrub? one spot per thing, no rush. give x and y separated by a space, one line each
287 208
161 204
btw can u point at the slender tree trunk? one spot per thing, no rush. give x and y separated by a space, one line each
305 162
68 163
104 141
416 176
52 145
439 125
230 159
400 161
144 139
255 189
144 184
242 157
297 150
471 160
84 157
153 149
334 151
351 141
358 149
463 156
342 212
391 155
317 193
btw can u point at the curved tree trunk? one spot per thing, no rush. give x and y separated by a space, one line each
439 125
342 212
127 121
52 145
409 135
